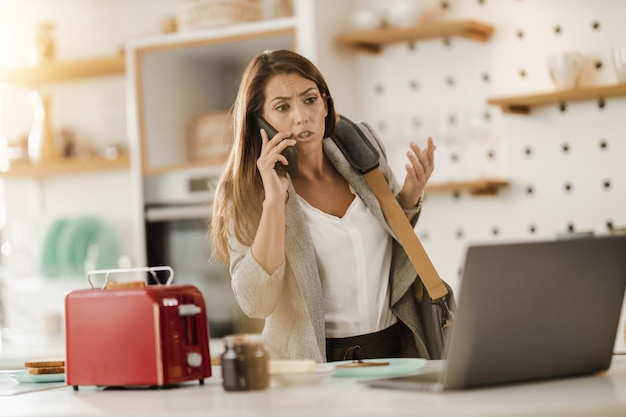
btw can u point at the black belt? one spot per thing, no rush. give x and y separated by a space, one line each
382 344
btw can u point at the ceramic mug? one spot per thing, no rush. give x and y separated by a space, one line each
565 69
619 62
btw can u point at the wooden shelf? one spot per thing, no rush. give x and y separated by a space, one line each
65 70
66 166
475 187
206 162
523 104
374 40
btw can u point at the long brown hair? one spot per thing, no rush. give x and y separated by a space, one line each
239 195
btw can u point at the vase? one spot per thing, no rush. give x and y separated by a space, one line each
42 147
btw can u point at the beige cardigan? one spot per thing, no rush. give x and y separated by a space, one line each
291 300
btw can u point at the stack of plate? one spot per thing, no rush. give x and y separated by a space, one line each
70 244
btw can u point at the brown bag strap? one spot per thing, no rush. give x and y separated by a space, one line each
364 158
406 235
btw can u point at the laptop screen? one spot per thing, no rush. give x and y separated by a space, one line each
537 310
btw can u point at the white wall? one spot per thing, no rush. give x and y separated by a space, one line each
449 223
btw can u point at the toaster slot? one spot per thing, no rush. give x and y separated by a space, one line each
189 312
192 332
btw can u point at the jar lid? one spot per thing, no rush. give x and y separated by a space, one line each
243 339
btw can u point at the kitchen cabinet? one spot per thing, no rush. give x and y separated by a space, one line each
521 104
178 78
374 40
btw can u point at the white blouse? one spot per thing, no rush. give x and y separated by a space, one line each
354 259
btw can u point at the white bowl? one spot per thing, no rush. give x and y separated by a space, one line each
321 372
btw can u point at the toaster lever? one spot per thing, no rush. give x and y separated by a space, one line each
152 270
188 310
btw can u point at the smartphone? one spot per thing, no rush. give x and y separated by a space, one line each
289 152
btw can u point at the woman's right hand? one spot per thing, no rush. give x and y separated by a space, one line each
275 182
268 247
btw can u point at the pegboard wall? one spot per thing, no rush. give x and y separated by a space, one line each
563 161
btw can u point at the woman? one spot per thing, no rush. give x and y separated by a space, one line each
312 254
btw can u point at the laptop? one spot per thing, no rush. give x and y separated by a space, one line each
530 311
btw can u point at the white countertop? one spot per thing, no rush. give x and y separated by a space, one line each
602 395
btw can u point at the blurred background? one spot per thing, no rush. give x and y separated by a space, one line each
113 126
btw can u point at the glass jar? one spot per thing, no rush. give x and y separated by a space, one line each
244 363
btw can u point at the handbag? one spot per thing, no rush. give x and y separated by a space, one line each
365 159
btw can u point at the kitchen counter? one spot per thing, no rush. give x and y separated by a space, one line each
600 395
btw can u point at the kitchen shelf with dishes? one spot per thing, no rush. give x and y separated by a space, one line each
54 71
373 41
65 70
65 166
522 104
197 62
483 186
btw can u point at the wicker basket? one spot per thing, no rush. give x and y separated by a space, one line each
211 136
199 14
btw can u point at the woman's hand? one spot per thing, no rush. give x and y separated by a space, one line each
421 165
268 247
274 183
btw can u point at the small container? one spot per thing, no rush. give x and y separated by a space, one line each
244 363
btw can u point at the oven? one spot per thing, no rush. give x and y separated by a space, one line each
177 214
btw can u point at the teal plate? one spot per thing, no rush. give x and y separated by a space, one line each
49 260
396 367
74 243
24 376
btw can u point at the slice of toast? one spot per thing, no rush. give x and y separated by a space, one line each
111 285
48 370
45 363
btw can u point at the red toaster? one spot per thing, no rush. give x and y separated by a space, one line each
153 335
